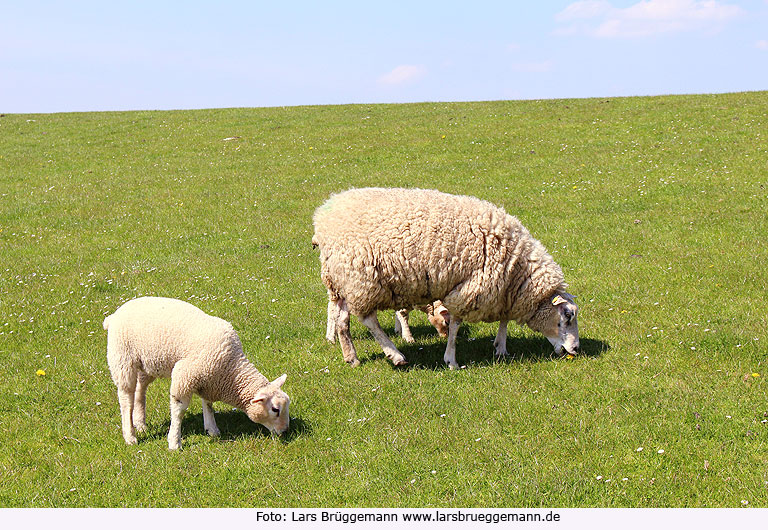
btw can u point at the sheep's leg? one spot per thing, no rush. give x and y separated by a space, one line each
500 342
140 401
333 316
345 337
209 422
401 325
450 349
390 350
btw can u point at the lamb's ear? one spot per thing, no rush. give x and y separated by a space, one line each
259 398
277 383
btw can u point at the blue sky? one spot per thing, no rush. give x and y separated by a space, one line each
85 56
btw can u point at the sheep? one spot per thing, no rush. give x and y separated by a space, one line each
394 248
154 337
437 315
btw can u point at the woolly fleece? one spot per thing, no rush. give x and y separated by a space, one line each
394 248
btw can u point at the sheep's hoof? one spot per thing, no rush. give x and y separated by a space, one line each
399 361
142 427
213 432
453 366
131 441
354 363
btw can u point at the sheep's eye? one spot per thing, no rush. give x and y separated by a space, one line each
276 411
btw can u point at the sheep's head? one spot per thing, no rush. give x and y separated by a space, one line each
439 317
555 318
269 407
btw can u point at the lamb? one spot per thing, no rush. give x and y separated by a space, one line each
153 337
437 315
394 248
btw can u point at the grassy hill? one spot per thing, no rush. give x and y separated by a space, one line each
654 207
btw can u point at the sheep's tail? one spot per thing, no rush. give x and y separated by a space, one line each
314 242
106 322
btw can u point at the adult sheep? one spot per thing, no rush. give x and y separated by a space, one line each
394 248
153 337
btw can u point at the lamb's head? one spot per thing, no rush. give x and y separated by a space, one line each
555 318
439 317
269 407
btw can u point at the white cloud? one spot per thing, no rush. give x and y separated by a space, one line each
404 73
762 44
598 18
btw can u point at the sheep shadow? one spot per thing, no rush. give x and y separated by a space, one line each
427 352
233 424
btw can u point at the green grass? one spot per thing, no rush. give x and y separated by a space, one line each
654 207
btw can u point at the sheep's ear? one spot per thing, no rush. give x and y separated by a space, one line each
258 399
279 381
557 300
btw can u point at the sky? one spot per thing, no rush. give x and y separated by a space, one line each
64 56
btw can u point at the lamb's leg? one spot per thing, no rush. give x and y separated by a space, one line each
390 350
125 393
500 342
180 398
401 325
178 407
140 401
124 376
450 349
345 337
209 422
333 316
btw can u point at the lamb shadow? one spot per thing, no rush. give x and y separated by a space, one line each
233 424
479 351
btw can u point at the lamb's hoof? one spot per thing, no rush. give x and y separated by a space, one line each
131 441
141 427
453 366
354 363
213 432
174 446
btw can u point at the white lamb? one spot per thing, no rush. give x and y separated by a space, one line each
395 248
437 315
436 312
154 337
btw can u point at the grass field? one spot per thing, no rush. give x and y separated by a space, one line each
654 207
